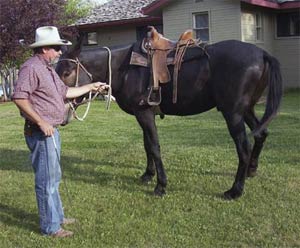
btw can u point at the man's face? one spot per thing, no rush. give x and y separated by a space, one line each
52 53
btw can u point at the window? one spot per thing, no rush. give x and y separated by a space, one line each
288 24
90 38
201 26
252 27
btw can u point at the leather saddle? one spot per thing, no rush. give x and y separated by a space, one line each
162 52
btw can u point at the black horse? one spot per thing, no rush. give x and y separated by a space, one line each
229 75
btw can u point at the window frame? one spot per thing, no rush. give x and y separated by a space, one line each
86 38
258 26
276 26
195 29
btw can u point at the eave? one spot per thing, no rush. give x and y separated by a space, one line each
272 5
136 22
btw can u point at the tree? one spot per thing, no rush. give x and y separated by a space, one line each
19 20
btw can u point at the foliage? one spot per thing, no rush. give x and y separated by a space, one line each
103 158
75 9
20 18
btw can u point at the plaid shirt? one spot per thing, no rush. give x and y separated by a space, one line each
39 83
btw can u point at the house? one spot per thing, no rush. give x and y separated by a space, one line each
273 25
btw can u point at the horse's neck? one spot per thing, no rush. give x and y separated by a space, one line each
119 61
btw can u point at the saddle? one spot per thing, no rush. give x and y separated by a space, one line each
162 52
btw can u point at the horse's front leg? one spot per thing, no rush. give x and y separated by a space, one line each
236 126
150 169
146 119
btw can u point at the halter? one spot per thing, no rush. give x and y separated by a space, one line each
90 99
79 65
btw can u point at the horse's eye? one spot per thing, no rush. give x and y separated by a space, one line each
66 74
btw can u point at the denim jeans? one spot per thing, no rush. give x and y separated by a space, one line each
45 159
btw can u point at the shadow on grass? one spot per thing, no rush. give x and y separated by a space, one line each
102 172
12 216
73 169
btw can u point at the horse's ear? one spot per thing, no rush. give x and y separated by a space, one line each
187 35
76 49
153 34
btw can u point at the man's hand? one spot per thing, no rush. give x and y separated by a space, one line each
100 87
47 129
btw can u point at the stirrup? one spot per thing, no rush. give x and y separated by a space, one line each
154 97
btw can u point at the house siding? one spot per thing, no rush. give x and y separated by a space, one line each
224 18
116 36
225 23
287 51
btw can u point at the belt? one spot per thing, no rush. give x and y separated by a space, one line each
31 127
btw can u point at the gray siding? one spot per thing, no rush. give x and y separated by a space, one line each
287 50
116 36
224 18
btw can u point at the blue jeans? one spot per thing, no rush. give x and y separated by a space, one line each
45 159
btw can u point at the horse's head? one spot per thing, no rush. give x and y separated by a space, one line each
72 73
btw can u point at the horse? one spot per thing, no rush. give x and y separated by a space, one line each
228 75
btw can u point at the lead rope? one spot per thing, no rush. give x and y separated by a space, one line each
77 224
109 79
90 99
86 110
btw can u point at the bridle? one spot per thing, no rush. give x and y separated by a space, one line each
78 66
73 104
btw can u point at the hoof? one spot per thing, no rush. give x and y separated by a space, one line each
159 191
232 194
146 178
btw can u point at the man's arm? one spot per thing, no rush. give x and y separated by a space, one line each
74 92
25 107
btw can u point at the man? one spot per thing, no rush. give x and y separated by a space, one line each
40 94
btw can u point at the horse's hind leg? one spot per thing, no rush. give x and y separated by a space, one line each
237 130
259 140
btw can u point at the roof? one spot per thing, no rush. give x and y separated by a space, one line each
117 10
274 4
142 12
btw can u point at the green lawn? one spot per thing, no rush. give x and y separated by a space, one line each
103 158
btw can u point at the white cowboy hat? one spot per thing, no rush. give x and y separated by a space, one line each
48 36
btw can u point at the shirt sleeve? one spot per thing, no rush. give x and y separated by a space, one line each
26 83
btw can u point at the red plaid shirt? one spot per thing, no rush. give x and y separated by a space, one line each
39 83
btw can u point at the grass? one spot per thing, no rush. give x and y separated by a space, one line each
103 158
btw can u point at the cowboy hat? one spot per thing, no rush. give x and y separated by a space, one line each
48 36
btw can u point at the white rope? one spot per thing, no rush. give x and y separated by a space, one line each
86 110
109 79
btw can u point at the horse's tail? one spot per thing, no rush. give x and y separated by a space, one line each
275 92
